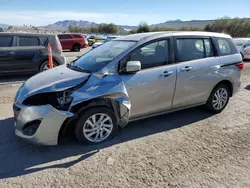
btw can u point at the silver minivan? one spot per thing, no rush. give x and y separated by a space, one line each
126 79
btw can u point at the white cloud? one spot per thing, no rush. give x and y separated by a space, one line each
39 18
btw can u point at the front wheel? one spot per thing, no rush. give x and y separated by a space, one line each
218 99
96 125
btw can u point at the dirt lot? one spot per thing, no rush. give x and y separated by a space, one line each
191 148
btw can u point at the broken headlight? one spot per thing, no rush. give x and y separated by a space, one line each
64 99
59 100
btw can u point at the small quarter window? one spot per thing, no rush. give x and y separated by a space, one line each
224 47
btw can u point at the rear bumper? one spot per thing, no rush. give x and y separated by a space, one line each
236 87
48 129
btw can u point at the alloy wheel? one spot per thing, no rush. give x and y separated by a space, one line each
220 98
98 127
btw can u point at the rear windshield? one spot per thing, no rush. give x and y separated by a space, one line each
239 42
77 36
64 37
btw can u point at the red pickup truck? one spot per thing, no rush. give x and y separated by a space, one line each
73 42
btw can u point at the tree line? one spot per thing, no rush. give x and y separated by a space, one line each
236 27
102 28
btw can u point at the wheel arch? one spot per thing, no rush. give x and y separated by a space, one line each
45 60
117 105
228 84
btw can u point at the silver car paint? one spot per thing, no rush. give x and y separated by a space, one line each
149 91
139 95
195 85
51 122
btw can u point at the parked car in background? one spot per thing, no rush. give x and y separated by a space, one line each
126 79
91 40
243 45
73 42
28 53
99 41
109 38
1 30
86 40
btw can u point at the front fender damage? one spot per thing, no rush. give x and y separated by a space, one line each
111 88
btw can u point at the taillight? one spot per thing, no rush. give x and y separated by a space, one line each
240 65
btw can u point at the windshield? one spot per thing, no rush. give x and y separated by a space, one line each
98 58
239 42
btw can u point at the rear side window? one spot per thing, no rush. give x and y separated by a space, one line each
194 48
5 41
28 41
64 37
77 36
225 46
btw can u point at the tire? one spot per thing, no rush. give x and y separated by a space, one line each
45 64
86 123
76 48
211 106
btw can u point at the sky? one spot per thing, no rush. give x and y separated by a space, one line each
122 12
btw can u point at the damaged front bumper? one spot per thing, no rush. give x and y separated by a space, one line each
39 124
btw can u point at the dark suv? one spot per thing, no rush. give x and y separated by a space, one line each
73 42
28 53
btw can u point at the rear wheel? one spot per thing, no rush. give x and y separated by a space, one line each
76 48
45 66
96 125
218 99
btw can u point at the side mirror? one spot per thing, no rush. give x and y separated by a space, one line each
133 66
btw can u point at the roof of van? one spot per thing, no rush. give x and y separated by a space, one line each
26 34
140 36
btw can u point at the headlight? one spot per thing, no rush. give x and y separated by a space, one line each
64 99
59 100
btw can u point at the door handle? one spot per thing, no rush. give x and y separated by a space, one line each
186 69
167 73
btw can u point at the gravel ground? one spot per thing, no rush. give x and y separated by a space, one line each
190 148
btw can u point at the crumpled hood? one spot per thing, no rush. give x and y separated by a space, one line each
57 79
